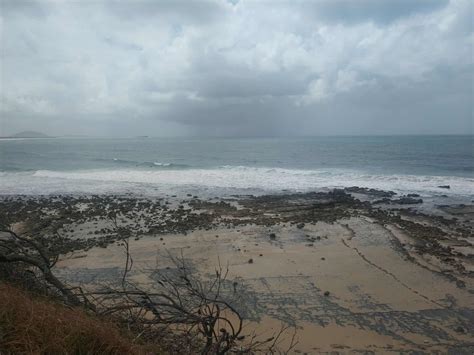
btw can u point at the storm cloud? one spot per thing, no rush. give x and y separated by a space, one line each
126 67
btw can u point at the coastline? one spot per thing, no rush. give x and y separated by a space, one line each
354 270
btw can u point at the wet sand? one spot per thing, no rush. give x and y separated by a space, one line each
351 276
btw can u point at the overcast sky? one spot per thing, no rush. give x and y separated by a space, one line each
143 67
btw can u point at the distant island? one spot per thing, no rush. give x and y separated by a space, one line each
29 134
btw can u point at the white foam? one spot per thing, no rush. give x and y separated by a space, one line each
234 177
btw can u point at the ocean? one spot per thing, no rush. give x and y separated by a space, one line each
225 166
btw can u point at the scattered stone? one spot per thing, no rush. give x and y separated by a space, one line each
460 329
300 225
460 284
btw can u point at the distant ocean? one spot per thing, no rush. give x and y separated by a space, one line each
211 166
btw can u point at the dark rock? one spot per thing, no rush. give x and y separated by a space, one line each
272 236
382 200
444 186
413 195
460 284
460 329
367 191
326 293
250 261
407 201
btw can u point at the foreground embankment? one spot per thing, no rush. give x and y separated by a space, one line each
352 270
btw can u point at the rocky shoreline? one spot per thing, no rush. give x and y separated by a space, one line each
273 241
83 222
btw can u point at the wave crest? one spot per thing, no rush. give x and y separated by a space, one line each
270 179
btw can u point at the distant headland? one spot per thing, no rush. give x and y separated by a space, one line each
28 134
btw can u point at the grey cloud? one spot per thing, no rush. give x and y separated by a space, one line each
378 11
173 10
215 68
247 83
124 45
23 8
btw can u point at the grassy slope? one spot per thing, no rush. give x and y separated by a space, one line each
35 325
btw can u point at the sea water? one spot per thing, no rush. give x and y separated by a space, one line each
224 166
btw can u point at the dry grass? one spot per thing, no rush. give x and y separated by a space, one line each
35 325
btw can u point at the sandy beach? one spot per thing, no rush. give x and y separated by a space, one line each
353 271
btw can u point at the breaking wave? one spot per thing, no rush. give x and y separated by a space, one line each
134 163
229 177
